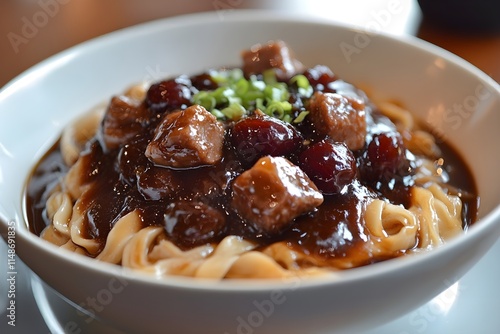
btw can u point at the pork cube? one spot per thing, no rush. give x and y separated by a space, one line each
272 193
124 118
341 118
273 55
187 138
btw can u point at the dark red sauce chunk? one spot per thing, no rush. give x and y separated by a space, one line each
281 152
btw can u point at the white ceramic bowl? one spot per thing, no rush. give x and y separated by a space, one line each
433 83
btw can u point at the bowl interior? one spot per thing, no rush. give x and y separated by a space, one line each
459 101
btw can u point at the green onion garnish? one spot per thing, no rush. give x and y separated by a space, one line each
237 96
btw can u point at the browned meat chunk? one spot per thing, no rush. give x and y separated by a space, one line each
123 119
272 193
274 54
187 138
341 118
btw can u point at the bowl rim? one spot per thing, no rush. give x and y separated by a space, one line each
245 285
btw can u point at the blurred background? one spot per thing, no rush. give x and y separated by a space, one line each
32 30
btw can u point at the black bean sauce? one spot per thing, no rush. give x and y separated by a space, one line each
194 204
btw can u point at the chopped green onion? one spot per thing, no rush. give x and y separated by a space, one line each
305 88
217 113
236 96
234 111
259 104
258 84
301 116
278 109
241 87
222 77
287 118
301 81
205 99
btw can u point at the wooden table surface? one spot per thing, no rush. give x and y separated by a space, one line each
33 30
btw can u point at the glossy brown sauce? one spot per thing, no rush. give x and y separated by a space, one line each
334 229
